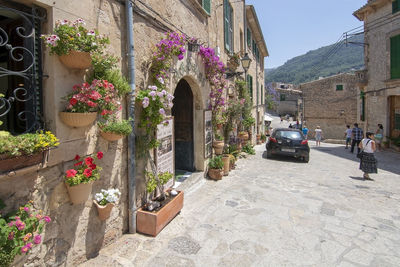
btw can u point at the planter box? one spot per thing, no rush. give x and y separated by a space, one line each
15 163
151 223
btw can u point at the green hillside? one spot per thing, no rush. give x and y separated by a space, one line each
315 63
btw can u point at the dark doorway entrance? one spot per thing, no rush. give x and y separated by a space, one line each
183 114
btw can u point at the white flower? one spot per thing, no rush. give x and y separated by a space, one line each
91 33
98 197
161 80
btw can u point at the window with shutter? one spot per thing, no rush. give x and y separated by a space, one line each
254 47
395 6
207 6
228 26
249 38
339 87
250 86
395 57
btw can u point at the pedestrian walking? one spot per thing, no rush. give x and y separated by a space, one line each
368 163
290 125
305 131
318 136
347 135
379 137
357 135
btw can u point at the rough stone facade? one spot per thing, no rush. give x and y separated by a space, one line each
76 233
329 108
379 87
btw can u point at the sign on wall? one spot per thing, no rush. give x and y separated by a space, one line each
165 152
207 133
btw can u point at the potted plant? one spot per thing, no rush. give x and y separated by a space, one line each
114 130
249 149
73 43
215 168
263 138
86 100
80 178
105 201
161 205
19 233
24 150
234 61
243 135
258 139
218 144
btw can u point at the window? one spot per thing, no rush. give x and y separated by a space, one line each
228 26
241 42
283 97
206 4
395 57
339 87
250 85
254 47
362 106
395 6
21 77
249 38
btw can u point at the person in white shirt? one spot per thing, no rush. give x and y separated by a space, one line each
368 163
347 135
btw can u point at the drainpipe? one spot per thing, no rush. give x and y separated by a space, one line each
257 119
131 112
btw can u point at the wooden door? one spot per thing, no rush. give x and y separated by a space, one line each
394 104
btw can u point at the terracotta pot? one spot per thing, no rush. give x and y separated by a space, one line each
218 147
151 223
74 119
111 136
244 136
258 138
215 174
79 193
225 160
104 211
15 163
77 60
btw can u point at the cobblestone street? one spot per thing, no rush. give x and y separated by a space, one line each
279 212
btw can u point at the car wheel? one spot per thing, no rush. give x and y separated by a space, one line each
306 158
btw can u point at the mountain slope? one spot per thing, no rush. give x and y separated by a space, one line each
317 63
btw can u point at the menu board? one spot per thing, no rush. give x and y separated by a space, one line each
207 133
165 152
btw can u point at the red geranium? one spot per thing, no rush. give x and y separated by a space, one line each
71 173
88 161
77 157
87 172
84 171
99 155
92 166
78 163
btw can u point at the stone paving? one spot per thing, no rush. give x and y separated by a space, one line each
279 212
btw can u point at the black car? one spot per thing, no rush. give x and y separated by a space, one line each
289 142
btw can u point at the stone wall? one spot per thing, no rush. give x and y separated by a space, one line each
328 108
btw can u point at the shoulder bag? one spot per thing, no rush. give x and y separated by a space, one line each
359 155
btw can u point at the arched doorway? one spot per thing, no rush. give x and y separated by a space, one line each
183 114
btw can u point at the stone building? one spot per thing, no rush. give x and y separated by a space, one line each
380 87
76 233
289 99
330 103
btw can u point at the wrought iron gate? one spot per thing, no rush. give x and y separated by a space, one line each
20 68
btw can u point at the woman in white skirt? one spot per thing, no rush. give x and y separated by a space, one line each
368 163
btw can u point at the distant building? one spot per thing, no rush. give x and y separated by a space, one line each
379 98
331 103
288 100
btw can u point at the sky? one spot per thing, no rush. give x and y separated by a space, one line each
294 27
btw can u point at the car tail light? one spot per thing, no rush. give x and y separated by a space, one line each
304 142
273 140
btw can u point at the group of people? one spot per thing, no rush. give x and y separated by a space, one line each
366 147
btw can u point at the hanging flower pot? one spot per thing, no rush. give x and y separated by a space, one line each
111 136
76 60
79 193
75 119
104 211
218 147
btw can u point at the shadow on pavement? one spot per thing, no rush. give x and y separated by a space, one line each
387 160
357 178
282 158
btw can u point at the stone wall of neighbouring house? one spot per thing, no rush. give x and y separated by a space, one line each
75 233
328 108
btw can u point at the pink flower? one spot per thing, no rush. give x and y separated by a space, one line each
47 219
29 245
24 249
11 224
11 236
27 237
91 104
99 155
39 216
71 173
95 95
79 163
87 172
37 239
73 101
26 209
20 225
88 161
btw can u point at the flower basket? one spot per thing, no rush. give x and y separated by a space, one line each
15 163
104 211
76 60
111 136
75 119
218 147
226 160
215 174
79 193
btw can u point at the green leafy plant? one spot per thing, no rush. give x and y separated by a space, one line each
249 149
122 127
232 150
216 163
20 232
245 101
218 137
26 144
248 122
70 35
154 181
84 171
395 140
263 137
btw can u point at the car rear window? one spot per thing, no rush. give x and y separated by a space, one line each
289 134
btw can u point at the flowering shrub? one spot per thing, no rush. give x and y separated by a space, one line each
107 196
27 144
70 35
84 171
99 96
271 97
20 233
